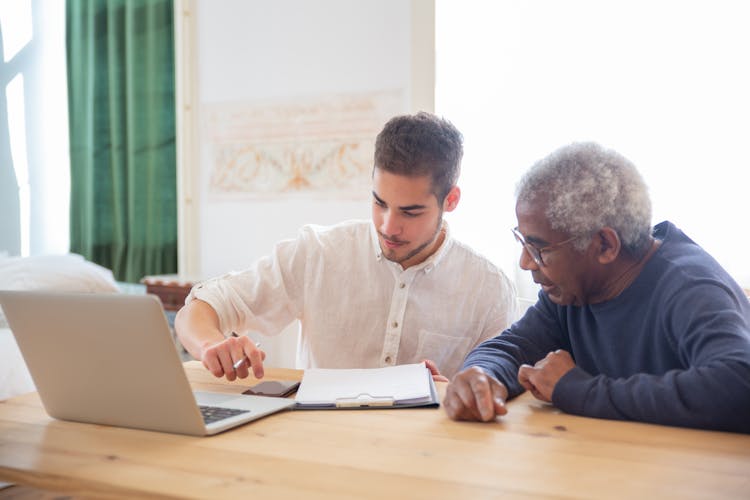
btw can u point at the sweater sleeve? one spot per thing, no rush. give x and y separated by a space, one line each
708 324
526 341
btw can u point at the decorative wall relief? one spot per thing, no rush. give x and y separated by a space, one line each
320 147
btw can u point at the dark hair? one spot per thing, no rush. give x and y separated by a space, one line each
419 145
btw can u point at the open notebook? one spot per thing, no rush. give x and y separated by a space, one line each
110 359
401 386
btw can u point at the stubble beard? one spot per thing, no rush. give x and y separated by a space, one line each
391 254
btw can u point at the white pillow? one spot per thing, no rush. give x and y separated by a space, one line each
65 273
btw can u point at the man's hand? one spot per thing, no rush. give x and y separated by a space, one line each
436 376
474 395
220 358
541 378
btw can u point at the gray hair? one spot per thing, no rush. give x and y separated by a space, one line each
587 187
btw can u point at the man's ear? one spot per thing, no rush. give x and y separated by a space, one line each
609 245
451 199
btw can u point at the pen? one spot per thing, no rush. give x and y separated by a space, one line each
239 362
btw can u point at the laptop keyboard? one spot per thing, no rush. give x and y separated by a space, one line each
212 413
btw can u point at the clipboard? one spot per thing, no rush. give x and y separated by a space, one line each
401 386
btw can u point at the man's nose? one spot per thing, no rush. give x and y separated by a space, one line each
391 225
526 261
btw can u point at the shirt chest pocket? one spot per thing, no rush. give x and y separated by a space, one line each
442 348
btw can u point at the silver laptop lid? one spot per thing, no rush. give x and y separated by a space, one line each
110 359
103 358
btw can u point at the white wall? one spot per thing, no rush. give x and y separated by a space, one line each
256 51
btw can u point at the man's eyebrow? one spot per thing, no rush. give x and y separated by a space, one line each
409 208
406 208
538 242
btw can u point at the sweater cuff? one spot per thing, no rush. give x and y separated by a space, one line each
570 391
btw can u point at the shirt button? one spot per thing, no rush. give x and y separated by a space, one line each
394 324
388 359
402 285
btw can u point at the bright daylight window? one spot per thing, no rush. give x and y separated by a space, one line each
35 94
15 36
663 82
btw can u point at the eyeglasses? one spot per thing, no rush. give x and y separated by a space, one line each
536 252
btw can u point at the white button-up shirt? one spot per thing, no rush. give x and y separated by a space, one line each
360 310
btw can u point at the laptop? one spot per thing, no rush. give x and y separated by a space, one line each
110 359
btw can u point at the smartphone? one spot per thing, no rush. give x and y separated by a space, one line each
277 388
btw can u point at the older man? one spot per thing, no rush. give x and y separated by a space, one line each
632 323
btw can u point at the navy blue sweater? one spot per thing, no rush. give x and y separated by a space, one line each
673 348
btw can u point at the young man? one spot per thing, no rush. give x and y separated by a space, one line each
631 323
394 290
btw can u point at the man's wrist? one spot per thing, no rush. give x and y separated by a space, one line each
503 390
206 344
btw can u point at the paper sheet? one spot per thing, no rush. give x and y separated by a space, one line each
402 385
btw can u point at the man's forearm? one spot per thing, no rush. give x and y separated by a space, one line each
197 326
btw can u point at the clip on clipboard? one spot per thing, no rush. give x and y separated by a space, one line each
401 386
364 400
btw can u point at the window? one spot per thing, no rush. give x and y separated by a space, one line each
34 159
664 83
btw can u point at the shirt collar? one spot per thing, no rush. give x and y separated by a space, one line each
430 262
375 242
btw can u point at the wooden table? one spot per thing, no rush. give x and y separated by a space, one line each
535 451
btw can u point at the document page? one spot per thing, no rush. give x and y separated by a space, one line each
396 386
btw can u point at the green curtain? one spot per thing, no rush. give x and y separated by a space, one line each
121 97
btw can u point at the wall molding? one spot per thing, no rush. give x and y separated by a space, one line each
188 171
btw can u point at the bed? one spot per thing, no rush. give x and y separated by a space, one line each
69 272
